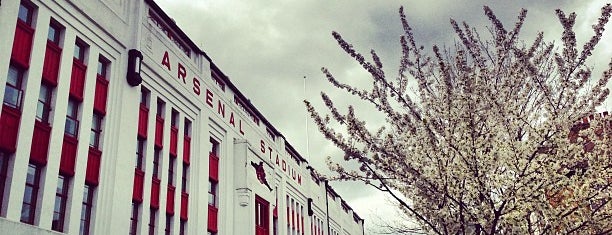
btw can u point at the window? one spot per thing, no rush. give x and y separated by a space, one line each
144 97
174 119
43 108
156 156
96 131
13 92
184 178
4 161
182 227
140 154
160 108
54 33
61 198
26 13
171 171
134 218
187 128
103 67
86 209
79 50
152 221
30 195
212 193
72 121
168 230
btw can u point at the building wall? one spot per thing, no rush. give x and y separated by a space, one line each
193 90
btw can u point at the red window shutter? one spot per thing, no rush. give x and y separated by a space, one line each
77 79
138 186
100 96
170 200
173 140
184 205
22 44
155 193
212 218
69 151
143 115
213 167
275 212
9 127
92 175
40 143
159 132
186 149
51 64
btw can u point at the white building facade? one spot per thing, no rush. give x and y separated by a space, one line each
114 122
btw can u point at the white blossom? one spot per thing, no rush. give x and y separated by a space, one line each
494 141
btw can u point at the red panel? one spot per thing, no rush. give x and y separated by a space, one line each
262 216
170 200
77 79
138 186
92 175
184 205
100 96
69 151
173 140
22 45
159 131
52 63
9 127
155 193
143 115
212 218
40 143
213 166
186 149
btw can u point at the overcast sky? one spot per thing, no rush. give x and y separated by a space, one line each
266 47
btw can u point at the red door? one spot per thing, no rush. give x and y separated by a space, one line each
262 216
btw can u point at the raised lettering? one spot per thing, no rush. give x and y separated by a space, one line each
232 120
181 72
221 108
196 86
284 166
299 179
166 61
209 98
263 146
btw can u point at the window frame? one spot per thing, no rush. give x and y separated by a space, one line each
185 178
134 218
29 13
57 29
168 229
144 97
152 220
61 194
33 197
156 163
213 192
140 154
82 48
160 108
171 170
103 67
4 163
45 101
96 134
73 116
86 209
17 87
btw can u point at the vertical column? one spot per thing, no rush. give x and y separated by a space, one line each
26 126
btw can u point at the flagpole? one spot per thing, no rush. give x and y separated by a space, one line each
307 133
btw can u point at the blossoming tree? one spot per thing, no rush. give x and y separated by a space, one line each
489 139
